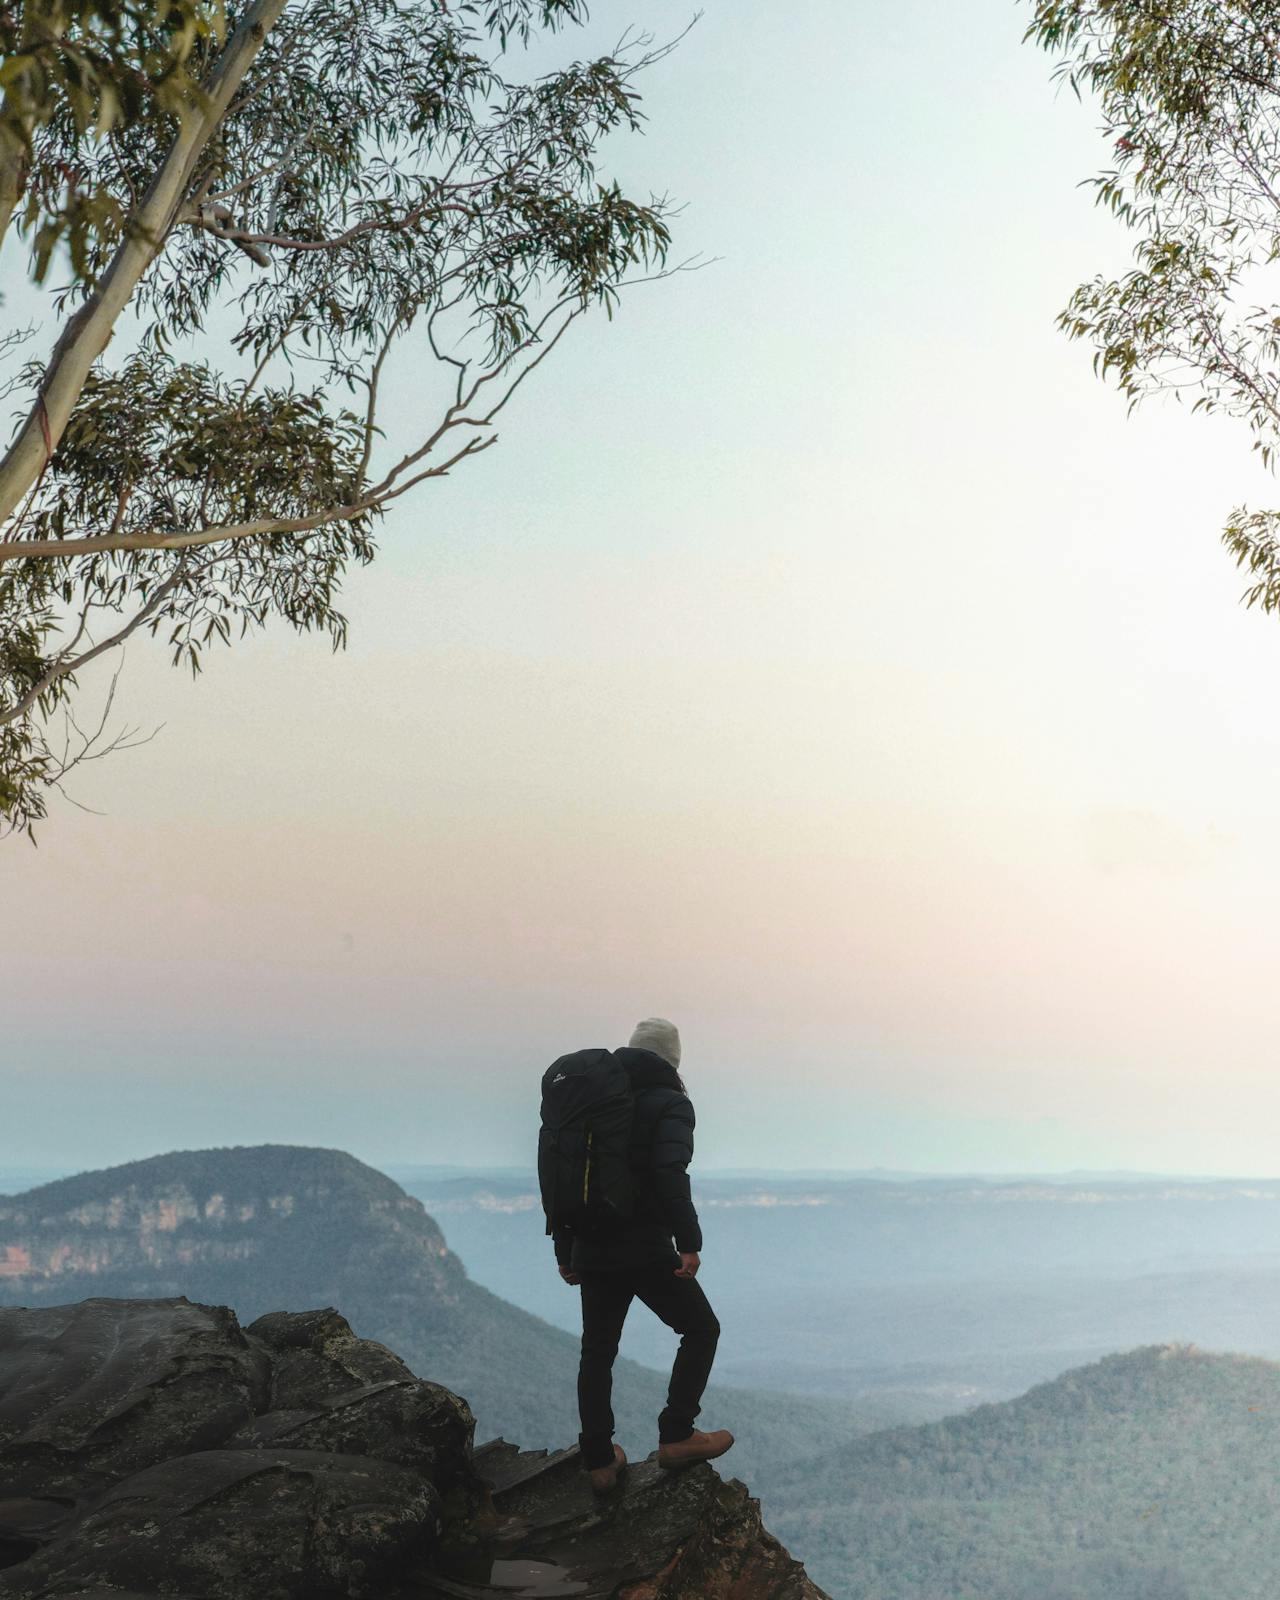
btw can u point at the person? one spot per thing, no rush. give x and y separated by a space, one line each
654 1259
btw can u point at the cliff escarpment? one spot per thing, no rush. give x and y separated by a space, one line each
262 1219
155 1447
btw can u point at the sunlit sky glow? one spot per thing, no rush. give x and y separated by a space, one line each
821 660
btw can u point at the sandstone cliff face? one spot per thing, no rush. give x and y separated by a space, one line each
154 1448
148 1225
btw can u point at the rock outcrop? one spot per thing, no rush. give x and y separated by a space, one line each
684 1535
154 1447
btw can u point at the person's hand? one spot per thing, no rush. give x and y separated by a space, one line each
569 1275
690 1261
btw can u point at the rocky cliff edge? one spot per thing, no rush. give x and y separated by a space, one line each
155 1448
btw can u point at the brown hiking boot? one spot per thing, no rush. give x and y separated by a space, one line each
605 1479
697 1447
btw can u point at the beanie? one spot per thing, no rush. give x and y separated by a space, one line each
660 1036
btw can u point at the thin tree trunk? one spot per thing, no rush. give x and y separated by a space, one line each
85 336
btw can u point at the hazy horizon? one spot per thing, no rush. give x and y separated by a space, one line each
403 1171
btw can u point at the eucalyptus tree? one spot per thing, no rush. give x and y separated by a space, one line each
1190 96
266 207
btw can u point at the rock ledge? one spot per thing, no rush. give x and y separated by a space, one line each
155 1448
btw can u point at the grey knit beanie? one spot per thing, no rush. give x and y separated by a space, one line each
660 1036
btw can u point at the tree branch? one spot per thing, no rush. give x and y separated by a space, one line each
64 663
19 549
215 222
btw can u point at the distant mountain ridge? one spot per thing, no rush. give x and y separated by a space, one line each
284 1227
922 1299
1153 1475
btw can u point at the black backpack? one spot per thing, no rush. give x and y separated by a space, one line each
583 1171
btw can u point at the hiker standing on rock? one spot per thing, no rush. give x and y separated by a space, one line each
613 1157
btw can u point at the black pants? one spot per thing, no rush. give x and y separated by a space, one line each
681 1304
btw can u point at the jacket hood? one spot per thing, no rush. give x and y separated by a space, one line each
648 1070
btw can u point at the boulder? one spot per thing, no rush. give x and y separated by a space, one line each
154 1446
315 1353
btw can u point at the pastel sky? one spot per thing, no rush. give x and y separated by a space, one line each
821 660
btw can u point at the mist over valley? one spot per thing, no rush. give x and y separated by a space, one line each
929 1294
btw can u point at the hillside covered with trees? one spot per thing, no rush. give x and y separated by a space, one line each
1153 1475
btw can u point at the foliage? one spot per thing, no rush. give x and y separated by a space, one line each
160 443
334 183
1190 97
1148 1476
88 67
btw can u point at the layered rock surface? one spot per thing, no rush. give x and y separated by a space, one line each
154 1447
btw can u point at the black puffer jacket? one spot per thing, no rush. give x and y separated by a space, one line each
661 1150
